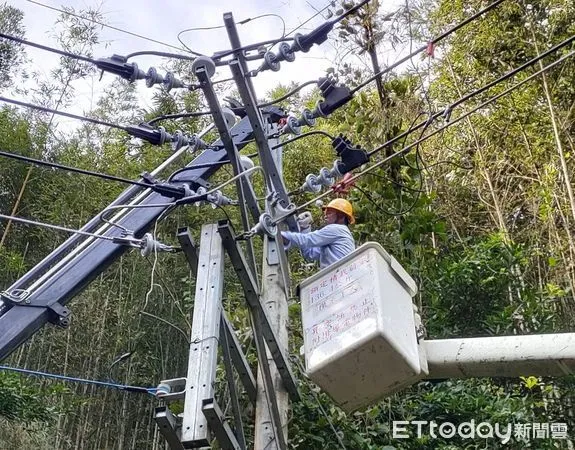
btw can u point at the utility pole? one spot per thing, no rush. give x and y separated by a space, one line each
275 301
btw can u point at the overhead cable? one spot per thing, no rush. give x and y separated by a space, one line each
62 113
122 387
426 46
309 133
69 13
48 49
448 109
409 147
54 227
72 169
289 94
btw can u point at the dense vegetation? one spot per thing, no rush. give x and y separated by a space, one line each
482 215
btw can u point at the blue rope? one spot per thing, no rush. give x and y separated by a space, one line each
122 387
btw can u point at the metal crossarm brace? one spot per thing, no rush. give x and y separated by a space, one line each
245 89
231 386
219 426
245 191
252 297
203 356
189 248
79 260
168 426
239 360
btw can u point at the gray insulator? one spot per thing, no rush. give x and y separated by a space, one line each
265 225
325 177
178 140
201 191
307 118
164 135
229 116
312 184
286 52
292 126
188 191
137 74
203 62
153 77
271 62
171 82
335 170
149 245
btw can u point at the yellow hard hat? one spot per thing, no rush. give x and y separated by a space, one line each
342 205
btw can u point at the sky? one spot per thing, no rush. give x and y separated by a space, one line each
162 20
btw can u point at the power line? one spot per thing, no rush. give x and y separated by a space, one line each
62 113
122 387
55 227
424 47
104 25
289 94
467 97
409 147
46 48
309 133
72 169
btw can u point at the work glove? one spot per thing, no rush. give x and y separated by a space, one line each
304 221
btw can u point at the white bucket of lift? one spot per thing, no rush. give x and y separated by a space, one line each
359 329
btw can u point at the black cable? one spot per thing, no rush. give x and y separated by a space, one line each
72 169
424 47
464 115
62 113
393 214
241 22
458 102
310 19
289 94
103 24
309 133
49 49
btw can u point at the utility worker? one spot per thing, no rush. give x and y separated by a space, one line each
330 243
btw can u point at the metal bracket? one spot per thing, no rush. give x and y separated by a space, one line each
219 426
169 427
252 295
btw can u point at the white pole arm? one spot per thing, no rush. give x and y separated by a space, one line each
505 356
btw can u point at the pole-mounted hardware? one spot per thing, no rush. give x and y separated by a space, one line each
334 96
169 80
119 65
147 244
159 136
350 157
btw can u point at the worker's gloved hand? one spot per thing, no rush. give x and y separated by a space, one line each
304 221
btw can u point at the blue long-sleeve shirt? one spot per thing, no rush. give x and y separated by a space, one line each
326 245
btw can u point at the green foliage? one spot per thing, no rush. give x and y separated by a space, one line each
23 401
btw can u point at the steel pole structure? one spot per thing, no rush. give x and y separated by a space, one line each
203 356
274 299
271 419
502 356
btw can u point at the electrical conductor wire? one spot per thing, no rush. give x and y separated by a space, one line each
69 13
62 113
